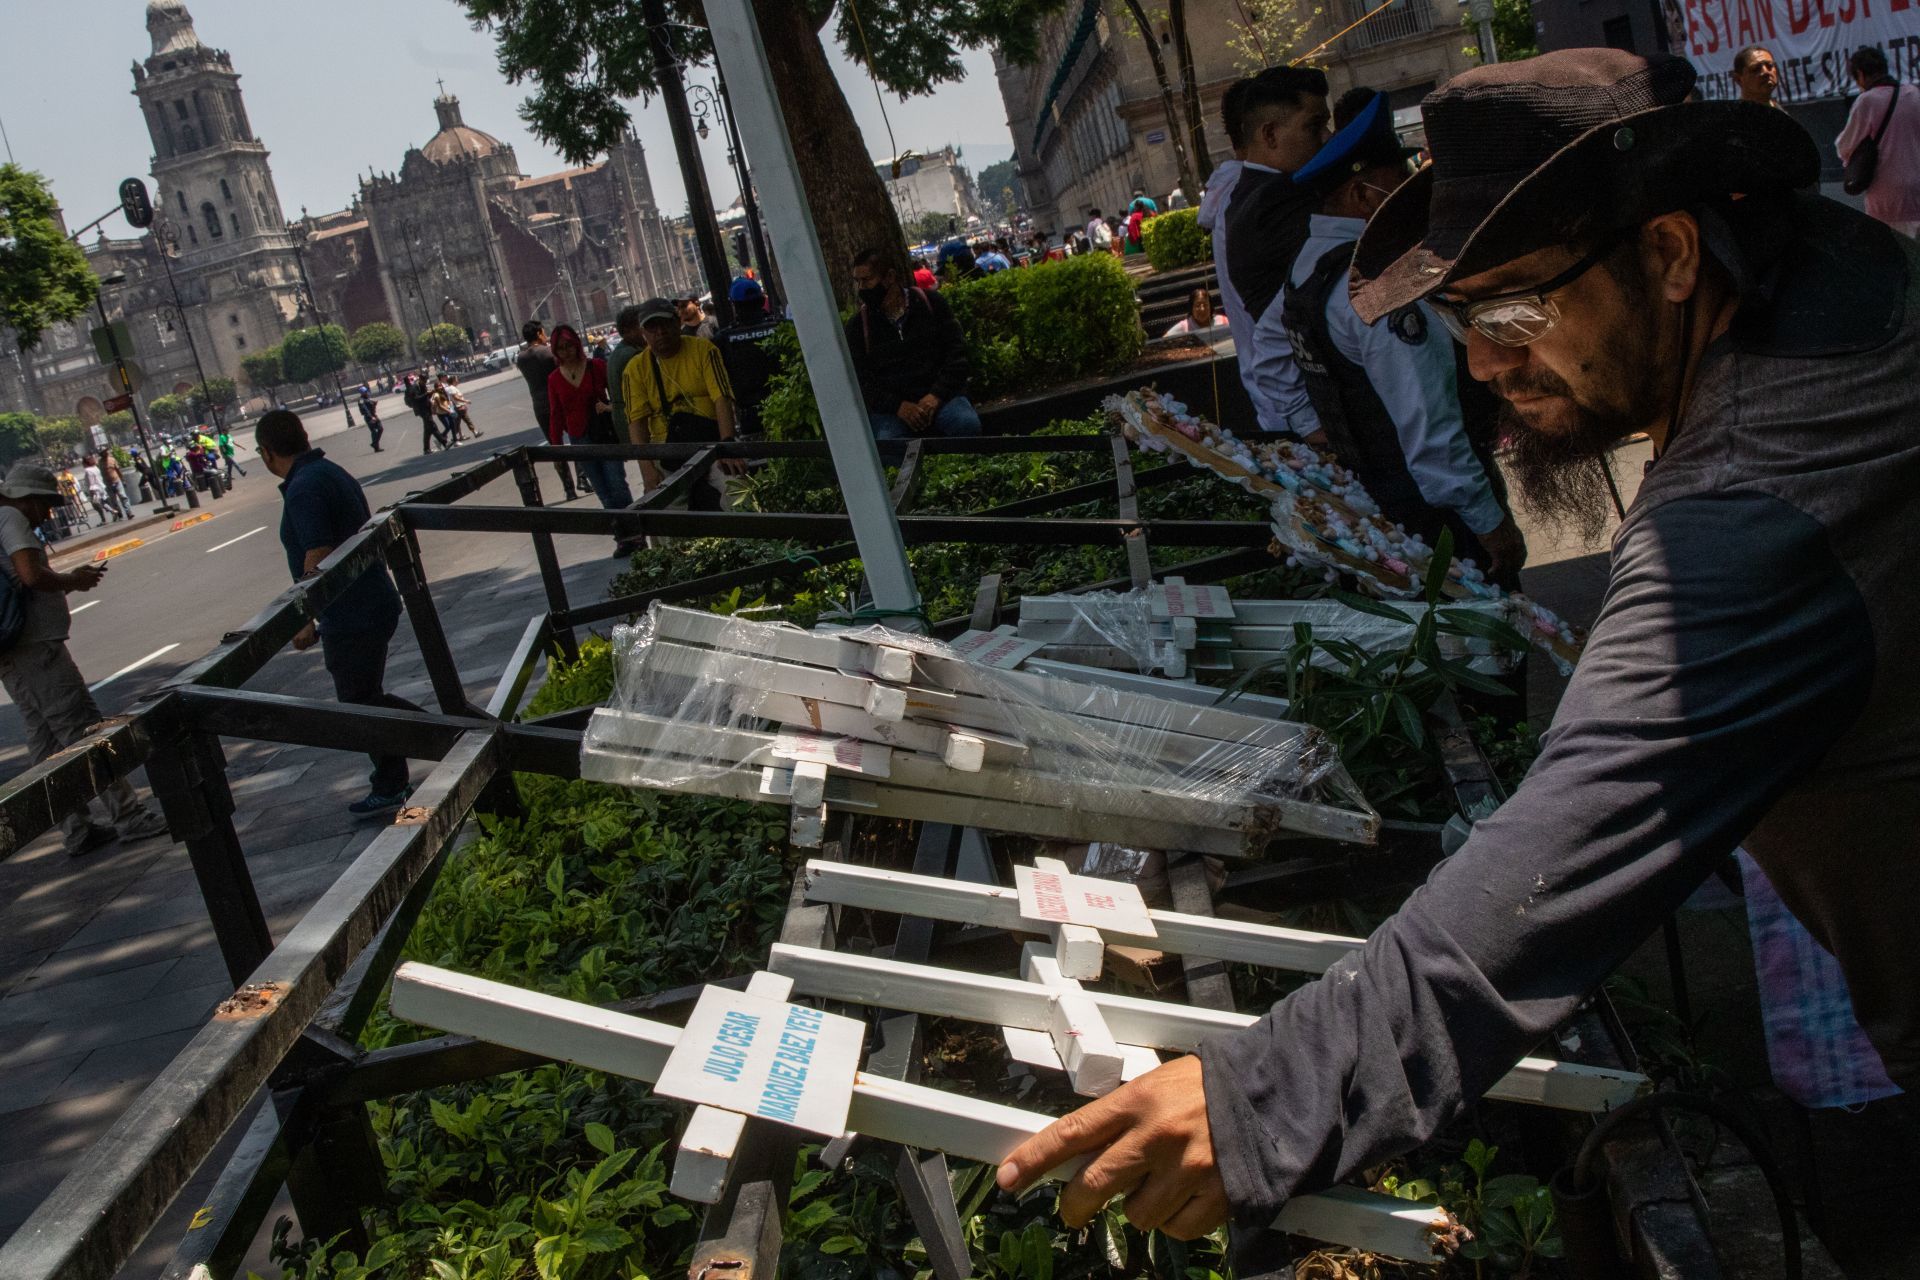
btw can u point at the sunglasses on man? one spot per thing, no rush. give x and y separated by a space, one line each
1522 316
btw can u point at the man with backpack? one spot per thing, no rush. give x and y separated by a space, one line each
1881 144
35 667
910 356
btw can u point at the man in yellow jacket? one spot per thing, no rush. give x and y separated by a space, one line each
676 392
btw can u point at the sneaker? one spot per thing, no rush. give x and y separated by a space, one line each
375 802
144 825
97 834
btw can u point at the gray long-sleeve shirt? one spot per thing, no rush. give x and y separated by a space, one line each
1749 679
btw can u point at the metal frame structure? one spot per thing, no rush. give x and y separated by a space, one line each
278 1061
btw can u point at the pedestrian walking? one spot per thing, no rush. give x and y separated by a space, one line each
116 480
460 402
582 413
1885 124
145 471
678 393
442 403
227 452
38 672
370 414
324 506
96 485
1617 257
535 363
419 398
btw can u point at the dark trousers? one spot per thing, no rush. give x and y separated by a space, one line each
357 661
430 432
374 429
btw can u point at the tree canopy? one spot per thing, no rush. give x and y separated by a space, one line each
995 183
18 439
44 278
171 409
214 392
263 370
442 340
309 354
377 343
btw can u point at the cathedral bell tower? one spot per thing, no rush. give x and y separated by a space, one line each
214 188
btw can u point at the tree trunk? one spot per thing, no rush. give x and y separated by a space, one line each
1196 122
1176 131
851 209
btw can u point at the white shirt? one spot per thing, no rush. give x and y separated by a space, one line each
1186 325
1265 352
96 483
1417 382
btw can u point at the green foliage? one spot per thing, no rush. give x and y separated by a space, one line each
1510 1215
1374 705
60 435
44 277
1175 239
264 369
586 683
788 411
171 410
929 228
18 437
219 393
442 341
308 354
377 343
1052 322
999 188
1514 35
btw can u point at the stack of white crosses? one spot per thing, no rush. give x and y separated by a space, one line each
752 1054
894 725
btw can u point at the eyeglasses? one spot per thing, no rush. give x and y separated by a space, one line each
1523 316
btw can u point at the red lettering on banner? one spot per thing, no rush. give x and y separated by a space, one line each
1726 22
1763 14
1899 6
1799 15
1826 19
1746 22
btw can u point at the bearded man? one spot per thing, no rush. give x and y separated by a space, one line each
1616 259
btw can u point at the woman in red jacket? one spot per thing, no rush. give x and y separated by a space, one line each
580 413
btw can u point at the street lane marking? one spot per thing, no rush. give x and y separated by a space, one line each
119 548
178 525
132 666
230 541
82 608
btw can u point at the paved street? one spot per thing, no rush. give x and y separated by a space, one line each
107 964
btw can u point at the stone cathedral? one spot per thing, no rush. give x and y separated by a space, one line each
457 235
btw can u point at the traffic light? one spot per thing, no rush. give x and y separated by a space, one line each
134 204
740 251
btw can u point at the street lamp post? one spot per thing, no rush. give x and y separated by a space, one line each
713 99
408 230
163 242
126 383
320 321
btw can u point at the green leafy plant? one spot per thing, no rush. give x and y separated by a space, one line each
307 354
1510 1215
1175 239
442 341
44 277
377 342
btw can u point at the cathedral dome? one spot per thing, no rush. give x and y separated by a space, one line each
455 138
171 27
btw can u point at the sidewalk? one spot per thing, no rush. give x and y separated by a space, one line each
108 964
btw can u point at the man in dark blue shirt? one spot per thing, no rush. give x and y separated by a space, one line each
324 507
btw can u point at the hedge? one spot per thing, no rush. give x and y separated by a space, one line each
1174 240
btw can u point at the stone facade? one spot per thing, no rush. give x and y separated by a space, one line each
930 182
459 235
1105 133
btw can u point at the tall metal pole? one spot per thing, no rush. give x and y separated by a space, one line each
126 388
673 96
179 309
320 321
748 204
843 412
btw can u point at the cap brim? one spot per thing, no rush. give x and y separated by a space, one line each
1729 147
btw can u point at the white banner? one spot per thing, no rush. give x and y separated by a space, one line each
1809 39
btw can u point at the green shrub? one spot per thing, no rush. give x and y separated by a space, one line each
1174 240
1048 323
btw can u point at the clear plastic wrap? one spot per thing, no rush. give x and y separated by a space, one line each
1117 620
729 705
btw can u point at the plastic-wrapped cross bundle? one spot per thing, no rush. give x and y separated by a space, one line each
898 725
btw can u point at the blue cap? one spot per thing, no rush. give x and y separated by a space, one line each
743 288
1368 139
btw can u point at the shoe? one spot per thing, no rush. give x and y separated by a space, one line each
623 549
374 802
144 825
571 495
97 834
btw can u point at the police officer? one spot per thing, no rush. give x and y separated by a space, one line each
750 366
1395 402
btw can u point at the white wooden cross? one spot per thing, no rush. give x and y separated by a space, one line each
891 1110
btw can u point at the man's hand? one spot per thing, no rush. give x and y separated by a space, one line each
912 414
1153 1146
307 637
87 577
650 473
732 466
930 403
1507 548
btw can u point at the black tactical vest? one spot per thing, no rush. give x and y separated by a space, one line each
1358 427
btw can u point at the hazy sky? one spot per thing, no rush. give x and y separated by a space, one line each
332 97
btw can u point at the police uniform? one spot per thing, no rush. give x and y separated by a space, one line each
1394 397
